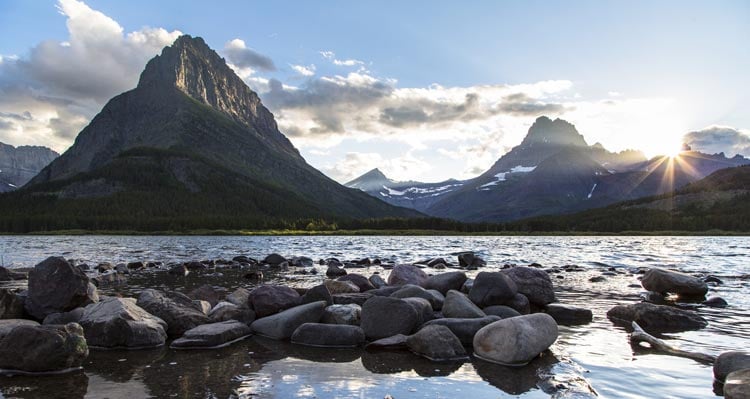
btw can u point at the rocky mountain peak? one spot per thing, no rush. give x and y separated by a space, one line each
556 132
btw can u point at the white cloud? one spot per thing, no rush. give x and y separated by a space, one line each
304 70
242 56
715 139
349 62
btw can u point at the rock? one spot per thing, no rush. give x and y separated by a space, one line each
439 299
10 275
397 341
36 349
423 308
301 261
282 325
340 287
713 279
492 288
213 335
176 309
240 297
597 279
55 285
74 316
504 312
667 281
377 281
195 265
208 293
534 284
342 314
383 317
569 315
468 259
335 271
656 318
317 293
203 306
731 361
179 270
388 290
415 291
445 282
466 287
737 385
274 259
715 302
359 280
270 299
329 335
11 305
515 341
109 279
136 265
120 323
458 305
407 274
7 325
356 298
224 311
464 329
437 343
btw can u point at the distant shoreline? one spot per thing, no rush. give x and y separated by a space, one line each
372 232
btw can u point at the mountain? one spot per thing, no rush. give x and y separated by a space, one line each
408 194
19 164
191 144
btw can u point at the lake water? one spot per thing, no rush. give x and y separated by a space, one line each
598 353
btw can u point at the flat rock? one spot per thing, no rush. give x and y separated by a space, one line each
282 325
39 349
728 362
492 288
176 309
515 341
55 285
383 317
656 318
464 329
458 305
667 281
534 284
329 335
437 343
213 335
350 314
120 323
445 282
569 315
269 299
407 274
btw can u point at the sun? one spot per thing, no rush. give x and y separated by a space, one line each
666 147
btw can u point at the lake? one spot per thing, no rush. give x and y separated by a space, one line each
598 353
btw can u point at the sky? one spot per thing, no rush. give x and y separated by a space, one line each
423 90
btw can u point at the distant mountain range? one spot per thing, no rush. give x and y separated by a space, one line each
552 171
191 146
19 164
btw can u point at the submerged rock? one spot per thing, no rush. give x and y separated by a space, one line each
407 274
658 318
55 285
119 322
516 341
37 349
329 335
464 329
213 335
176 309
383 317
437 343
667 281
458 305
282 325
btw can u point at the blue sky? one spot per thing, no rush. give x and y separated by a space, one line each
630 74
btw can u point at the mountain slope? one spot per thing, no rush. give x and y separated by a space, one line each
19 164
192 126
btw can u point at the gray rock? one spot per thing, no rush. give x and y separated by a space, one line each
464 329
731 361
340 287
356 298
667 281
109 279
737 385
274 259
176 270
466 287
329 335
176 309
397 341
359 280
377 281
36 349
437 343
535 284
7 325
468 259
120 323
282 325
415 291
239 297
301 261
515 341
317 293
203 306
502 311
208 293
458 305
74 316
439 299
270 299
350 314
55 285
225 311
656 318
334 271
383 317
569 315
11 305
445 282
423 308
407 274
715 302
213 335
520 304
492 288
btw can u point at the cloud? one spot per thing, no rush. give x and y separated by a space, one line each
354 164
304 70
715 139
350 62
240 55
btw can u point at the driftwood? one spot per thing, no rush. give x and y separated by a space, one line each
639 335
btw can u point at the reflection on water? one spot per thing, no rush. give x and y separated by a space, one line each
258 367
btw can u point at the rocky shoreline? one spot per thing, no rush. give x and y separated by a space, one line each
507 317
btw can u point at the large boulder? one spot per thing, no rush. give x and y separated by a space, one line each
383 317
37 349
568 314
464 329
55 285
445 282
176 309
437 343
492 288
731 361
458 305
407 274
282 325
359 280
656 318
11 305
329 335
737 385
533 283
213 335
515 341
350 314
270 299
667 281
120 323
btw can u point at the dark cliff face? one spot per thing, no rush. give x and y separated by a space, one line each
19 164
